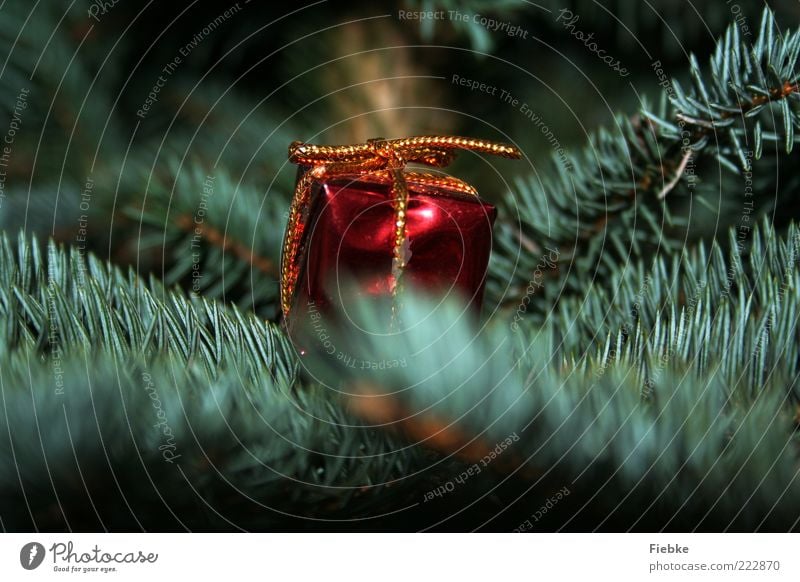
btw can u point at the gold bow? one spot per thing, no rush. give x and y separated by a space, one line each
385 156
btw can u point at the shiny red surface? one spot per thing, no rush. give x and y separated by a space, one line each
350 236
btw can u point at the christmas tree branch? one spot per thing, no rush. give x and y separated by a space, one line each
221 238
690 359
162 412
611 202
227 244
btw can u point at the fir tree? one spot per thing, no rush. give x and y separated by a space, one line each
638 349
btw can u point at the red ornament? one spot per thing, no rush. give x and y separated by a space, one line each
358 217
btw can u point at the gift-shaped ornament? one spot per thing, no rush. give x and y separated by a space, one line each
361 220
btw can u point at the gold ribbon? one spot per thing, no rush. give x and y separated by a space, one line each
385 156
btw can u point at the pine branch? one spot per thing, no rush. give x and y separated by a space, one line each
48 50
216 238
688 388
220 238
154 446
65 303
130 407
746 81
622 197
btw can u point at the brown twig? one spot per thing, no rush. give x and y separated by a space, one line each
369 403
706 126
676 178
227 244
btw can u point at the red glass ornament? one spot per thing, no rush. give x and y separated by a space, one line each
348 237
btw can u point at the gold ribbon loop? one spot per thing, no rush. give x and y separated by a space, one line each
436 151
378 154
